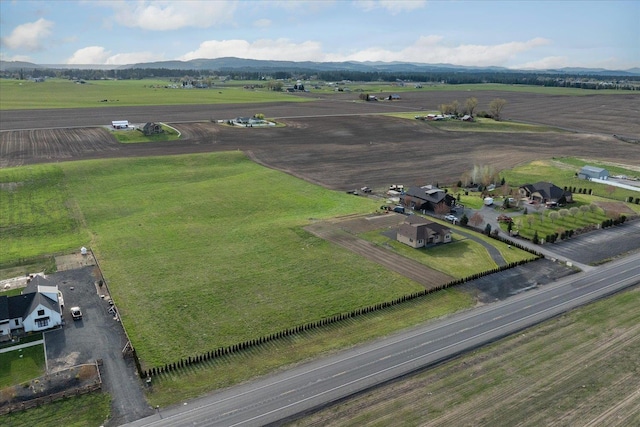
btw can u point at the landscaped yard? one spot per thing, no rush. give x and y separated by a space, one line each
136 136
21 365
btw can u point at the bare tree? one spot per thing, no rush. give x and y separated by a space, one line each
441 209
476 219
471 104
455 105
530 220
495 108
593 207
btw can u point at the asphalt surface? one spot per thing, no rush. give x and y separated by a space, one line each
97 336
282 396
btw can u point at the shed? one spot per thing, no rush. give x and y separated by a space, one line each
592 172
120 124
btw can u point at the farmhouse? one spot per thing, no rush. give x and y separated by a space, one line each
592 172
419 232
38 308
545 193
428 198
152 129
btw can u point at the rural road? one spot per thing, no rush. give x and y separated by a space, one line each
282 396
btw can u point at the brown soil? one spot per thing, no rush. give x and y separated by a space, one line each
340 143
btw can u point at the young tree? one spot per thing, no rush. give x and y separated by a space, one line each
464 220
470 104
487 230
495 108
455 105
563 213
530 220
476 219
574 212
584 209
553 216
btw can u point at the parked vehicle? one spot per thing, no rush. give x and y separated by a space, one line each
76 313
451 218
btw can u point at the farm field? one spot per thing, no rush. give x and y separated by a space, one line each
61 93
578 369
216 240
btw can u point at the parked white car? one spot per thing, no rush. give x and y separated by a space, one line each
451 218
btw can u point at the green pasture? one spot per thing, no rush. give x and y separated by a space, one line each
203 251
60 93
21 365
168 389
37 215
78 411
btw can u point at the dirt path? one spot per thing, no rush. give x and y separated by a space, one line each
339 232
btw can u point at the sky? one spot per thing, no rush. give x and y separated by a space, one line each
510 33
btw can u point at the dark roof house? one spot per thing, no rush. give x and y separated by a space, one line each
152 129
38 308
546 193
427 198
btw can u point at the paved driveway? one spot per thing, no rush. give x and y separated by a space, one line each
96 336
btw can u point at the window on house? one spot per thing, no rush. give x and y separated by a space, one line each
17 322
40 312
41 323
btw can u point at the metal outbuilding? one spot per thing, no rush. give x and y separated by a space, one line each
592 172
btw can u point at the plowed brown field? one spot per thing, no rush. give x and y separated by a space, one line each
343 144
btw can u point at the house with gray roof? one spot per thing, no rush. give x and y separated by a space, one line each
427 198
38 308
546 193
419 232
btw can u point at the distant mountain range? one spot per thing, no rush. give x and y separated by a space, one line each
257 65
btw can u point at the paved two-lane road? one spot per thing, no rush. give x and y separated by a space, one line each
281 396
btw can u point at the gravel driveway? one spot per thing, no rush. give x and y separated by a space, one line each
97 336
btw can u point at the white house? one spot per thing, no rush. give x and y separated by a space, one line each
38 308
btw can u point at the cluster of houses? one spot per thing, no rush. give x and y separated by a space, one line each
38 308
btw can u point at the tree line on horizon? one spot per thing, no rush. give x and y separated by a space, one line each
451 77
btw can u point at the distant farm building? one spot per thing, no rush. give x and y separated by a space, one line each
592 172
120 124
152 129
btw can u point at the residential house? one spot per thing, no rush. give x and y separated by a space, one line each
38 308
592 172
419 232
546 193
428 198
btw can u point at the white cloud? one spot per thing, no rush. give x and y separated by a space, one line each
427 49
393 6
23 58
433 50
172 15
544 63
262 23
98 55
29 36
280 49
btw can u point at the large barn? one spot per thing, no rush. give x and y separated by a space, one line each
592 172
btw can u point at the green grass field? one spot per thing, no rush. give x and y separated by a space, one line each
78 411
136 136
62 93
21 365
37 214
59 93
200 251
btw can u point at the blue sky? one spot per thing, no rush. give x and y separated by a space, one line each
514 34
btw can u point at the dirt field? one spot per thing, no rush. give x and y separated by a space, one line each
580 369
331 142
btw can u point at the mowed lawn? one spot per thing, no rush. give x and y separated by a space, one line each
21 365
203 251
